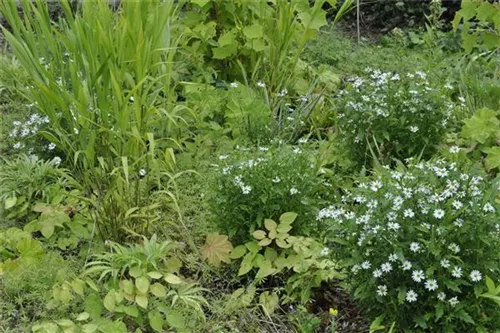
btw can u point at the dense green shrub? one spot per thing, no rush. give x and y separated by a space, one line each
390 116
418 242
252 186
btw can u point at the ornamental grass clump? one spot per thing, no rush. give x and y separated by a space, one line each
418 243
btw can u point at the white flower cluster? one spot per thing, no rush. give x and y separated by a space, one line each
22 130
418 227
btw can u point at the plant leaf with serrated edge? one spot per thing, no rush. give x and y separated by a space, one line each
216 249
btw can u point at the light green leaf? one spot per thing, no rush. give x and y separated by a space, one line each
131 310
259 234
253 31
158 290
265 242
10 202
156 321
109 301
175 319
238 252
265 269
142 301
481 126
142 284
172 279
83 316
493 158
155 275
288 218
270 224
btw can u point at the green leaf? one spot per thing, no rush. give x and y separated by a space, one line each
490 284
270 224
172 279
135 272
313 19
158 290
47 230
155 275
109 301
269 301
127 286
464 316
481 126
493 158
89 328
259 234
10 202
253 31
469 42
485 11
156 321
265 269
132 311
253 247
142 284
142 301
246 264
200 3
238 252
83 316
288 218
175 319
270 254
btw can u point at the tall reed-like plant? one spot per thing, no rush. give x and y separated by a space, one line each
104 79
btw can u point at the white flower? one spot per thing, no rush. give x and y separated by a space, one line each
234 85
302 140
276 179
411 296
445 263
456 272
246 189
408 213
438 213
454 248
417 276
406 266
263 148
57 160
325 251
382 290
376 185
131 99
475 276
366 264
441 296
377 273
393 257
453 301
457 204
414 129
293 191
454 149
76 130
17 145
415 247
261 84
51 146
355 269
393 226
488 208
282 93
386 267
223 157
142 172
431 285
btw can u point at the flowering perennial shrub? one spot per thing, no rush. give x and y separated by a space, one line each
420 241
263 184
396 116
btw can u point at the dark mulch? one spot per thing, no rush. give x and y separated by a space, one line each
349 318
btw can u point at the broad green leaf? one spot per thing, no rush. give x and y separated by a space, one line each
313 20
490 284
265 269
265 242
127 286
288 218
10 202
142 284
109 301
172 279
269 301
246 264
156 321
216 249
259 234
158 290
155 275
238 252
253 31
175 319
270 254
135 272
485 11
481 126
142 301
493 158
83 316
200 3
253 247
270 224
131 310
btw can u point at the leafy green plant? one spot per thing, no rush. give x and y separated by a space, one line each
480 25
417 242
16 247
482 130
389 116
251 186
276 252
